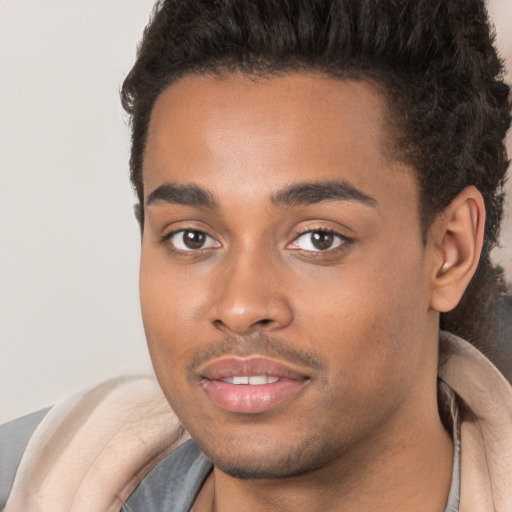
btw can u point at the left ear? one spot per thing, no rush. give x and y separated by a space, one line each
457 237
137 210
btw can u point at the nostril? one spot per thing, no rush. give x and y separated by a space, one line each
219 324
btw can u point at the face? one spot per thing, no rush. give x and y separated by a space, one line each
283 278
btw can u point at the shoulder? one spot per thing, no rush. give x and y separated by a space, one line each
96 446
14 437
174 483
486 425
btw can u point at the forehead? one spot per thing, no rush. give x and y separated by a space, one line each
269 132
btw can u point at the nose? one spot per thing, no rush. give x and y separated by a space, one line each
249 296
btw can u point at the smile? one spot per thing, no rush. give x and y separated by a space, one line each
250 385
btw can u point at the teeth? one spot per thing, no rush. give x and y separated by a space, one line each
257 380
254 380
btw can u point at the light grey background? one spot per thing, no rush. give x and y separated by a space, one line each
69 245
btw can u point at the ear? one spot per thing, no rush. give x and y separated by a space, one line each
137 210
457 237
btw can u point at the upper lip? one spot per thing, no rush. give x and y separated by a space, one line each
232 366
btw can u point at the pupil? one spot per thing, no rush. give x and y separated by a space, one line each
322 241
193 239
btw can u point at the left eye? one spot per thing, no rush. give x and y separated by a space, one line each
317 241
191 240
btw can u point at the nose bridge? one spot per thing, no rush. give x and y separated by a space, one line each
249 294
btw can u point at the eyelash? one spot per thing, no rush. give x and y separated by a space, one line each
342 246
165 240
191 253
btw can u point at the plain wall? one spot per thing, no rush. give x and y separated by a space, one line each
69 243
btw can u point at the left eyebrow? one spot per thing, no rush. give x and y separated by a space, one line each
189 195
303 194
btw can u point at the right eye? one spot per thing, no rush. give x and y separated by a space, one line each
191 240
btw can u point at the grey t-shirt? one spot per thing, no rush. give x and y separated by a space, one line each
172 485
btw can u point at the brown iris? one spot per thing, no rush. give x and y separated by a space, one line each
322 240
194 239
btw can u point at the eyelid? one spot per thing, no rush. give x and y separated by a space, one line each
343 240
167 237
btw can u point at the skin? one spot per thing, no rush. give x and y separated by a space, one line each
358 319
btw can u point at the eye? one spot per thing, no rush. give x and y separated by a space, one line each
317 240
191 240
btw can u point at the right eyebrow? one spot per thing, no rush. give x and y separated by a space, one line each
188 195
308 193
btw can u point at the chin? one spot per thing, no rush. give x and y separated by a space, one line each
289 462
263 472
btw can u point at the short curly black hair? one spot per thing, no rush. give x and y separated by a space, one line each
434 59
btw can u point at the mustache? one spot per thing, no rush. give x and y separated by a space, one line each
257 343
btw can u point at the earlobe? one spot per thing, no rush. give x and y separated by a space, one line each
457 239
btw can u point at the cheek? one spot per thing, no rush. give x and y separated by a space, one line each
368 316
170 293
168 301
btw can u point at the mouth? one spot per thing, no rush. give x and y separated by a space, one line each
250 385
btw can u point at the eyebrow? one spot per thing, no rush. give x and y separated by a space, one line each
300 194
188 195
303 194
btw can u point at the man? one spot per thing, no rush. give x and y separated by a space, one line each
319 188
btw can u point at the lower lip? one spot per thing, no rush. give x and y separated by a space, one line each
244 398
